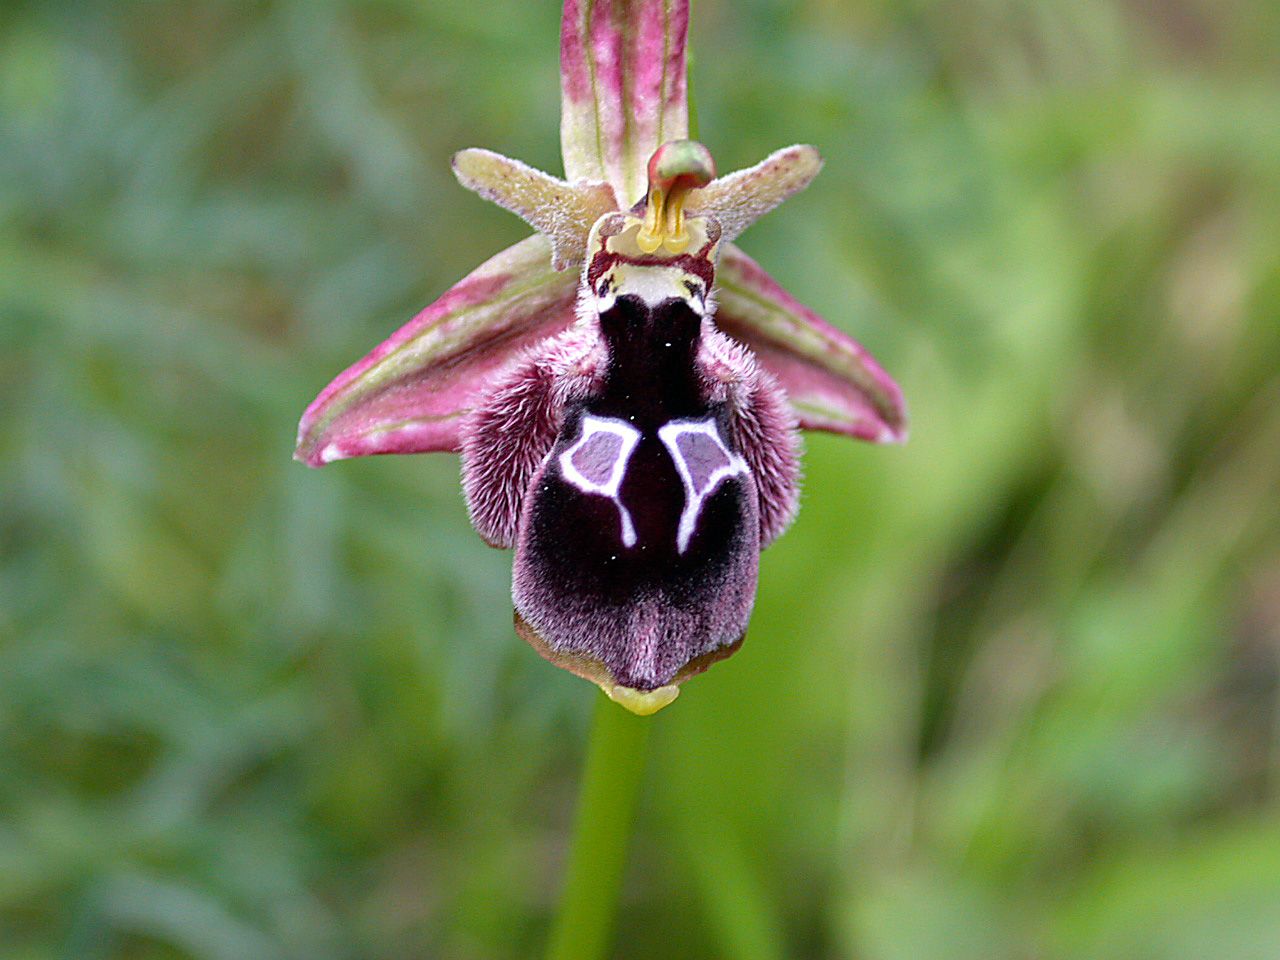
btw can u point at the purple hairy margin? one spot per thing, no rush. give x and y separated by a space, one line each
761 424
506 437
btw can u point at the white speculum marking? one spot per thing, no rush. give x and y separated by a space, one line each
597 462
703 462
652 285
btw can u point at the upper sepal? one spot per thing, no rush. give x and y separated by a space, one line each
412 392
831 381
622 84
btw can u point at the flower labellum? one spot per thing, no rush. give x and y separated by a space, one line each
636 444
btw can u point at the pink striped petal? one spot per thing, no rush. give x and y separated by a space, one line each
831 381
412 392
622 81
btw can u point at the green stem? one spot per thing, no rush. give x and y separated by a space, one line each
614 769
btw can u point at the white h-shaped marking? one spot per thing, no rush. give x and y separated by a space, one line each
628 436
730 465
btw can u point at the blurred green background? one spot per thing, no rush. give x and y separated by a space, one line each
1011 691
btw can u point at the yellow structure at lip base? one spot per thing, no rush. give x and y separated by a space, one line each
642 703
664 221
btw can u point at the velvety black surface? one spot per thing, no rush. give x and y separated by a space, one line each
579 534
647 609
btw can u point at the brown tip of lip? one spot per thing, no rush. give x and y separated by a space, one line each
642 702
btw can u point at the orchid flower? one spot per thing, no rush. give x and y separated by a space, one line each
625 386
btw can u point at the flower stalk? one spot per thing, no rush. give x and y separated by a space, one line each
611 779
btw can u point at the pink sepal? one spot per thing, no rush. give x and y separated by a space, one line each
622 82
831 381
411 393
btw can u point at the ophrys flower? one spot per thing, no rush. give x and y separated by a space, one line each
625 386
